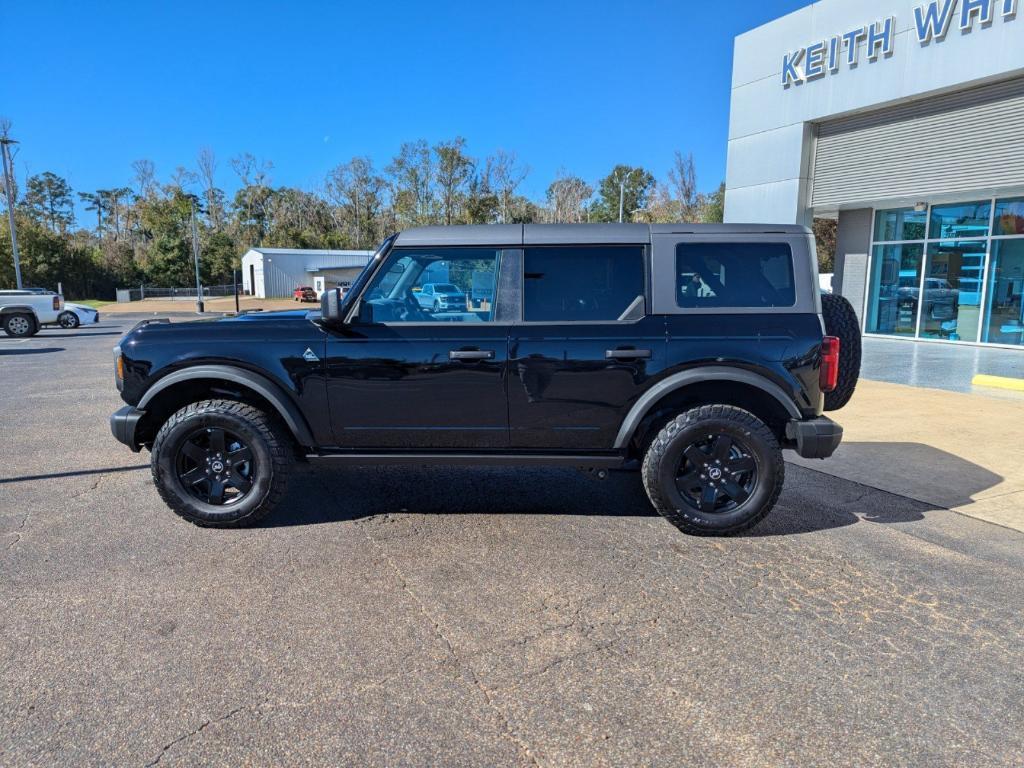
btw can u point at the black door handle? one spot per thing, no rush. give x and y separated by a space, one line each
471 354
627 354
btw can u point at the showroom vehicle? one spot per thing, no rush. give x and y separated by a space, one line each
24 312
304 293
441 297
76 315
692 353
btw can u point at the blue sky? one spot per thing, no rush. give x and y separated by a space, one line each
580 86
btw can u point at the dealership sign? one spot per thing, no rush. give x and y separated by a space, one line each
931 23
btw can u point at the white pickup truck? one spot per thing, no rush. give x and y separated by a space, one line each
23 313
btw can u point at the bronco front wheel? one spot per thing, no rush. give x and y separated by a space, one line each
715 470
221 463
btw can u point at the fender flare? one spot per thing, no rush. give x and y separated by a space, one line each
273 393
696 376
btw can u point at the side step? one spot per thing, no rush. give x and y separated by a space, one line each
612 461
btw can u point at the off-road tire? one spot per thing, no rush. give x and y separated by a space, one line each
14 319
664 457
268 441
841 321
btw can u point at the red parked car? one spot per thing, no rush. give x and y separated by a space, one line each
305 293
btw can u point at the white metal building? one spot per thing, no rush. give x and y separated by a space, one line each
902 119
271 273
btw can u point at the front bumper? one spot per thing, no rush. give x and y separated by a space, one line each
815 438
123 423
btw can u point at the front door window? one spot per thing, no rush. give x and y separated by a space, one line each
443 285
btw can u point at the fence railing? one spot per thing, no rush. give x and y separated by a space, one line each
173 294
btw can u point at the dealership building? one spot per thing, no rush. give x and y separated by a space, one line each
903 120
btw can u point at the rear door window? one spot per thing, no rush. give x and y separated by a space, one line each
734 275
583 283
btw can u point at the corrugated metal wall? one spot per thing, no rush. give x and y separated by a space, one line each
964 141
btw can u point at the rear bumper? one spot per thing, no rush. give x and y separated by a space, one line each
123 423
815 438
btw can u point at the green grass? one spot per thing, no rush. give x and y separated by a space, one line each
94 303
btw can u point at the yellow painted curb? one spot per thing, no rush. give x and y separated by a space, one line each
1000 382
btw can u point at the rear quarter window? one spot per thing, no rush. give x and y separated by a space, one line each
734 275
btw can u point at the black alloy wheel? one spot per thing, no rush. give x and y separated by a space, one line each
717 474
714 470
222 463
215 466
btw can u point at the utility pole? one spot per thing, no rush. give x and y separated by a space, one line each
5 143
622 194
195 252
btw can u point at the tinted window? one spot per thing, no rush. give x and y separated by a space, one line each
734 275
581 283
406 289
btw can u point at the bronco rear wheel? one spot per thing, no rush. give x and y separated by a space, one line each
841 321
715 470
221 463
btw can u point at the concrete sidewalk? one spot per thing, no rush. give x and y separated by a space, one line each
951 450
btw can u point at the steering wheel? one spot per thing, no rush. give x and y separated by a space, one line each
411 311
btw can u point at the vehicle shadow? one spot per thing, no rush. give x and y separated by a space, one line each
320 494
869 482
30 351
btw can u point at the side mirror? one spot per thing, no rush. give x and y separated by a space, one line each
330 305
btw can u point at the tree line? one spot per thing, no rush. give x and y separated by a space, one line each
142 232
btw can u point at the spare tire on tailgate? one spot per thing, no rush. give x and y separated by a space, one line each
841 321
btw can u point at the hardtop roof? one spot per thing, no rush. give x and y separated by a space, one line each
572 234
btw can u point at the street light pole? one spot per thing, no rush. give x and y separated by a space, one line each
195 252
622 194
5 142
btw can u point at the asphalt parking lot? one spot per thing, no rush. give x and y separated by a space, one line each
477 617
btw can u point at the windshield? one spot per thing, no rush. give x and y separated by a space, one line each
446 288
360 281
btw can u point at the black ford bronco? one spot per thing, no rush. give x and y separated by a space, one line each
693 353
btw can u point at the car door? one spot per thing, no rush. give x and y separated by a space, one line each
402 376
585 348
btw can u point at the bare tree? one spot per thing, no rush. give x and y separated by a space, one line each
411 177
682 176
567 199
505 176
356 188
207 164
145 177
5 133
454 170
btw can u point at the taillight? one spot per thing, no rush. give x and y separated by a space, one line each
56 303
828 374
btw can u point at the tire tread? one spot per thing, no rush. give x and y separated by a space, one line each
281 453
652 467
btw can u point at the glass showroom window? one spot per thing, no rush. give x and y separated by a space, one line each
951 296
895 280
960 220
953 274
1004 313
899 225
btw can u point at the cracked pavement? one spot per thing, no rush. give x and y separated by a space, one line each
406 616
